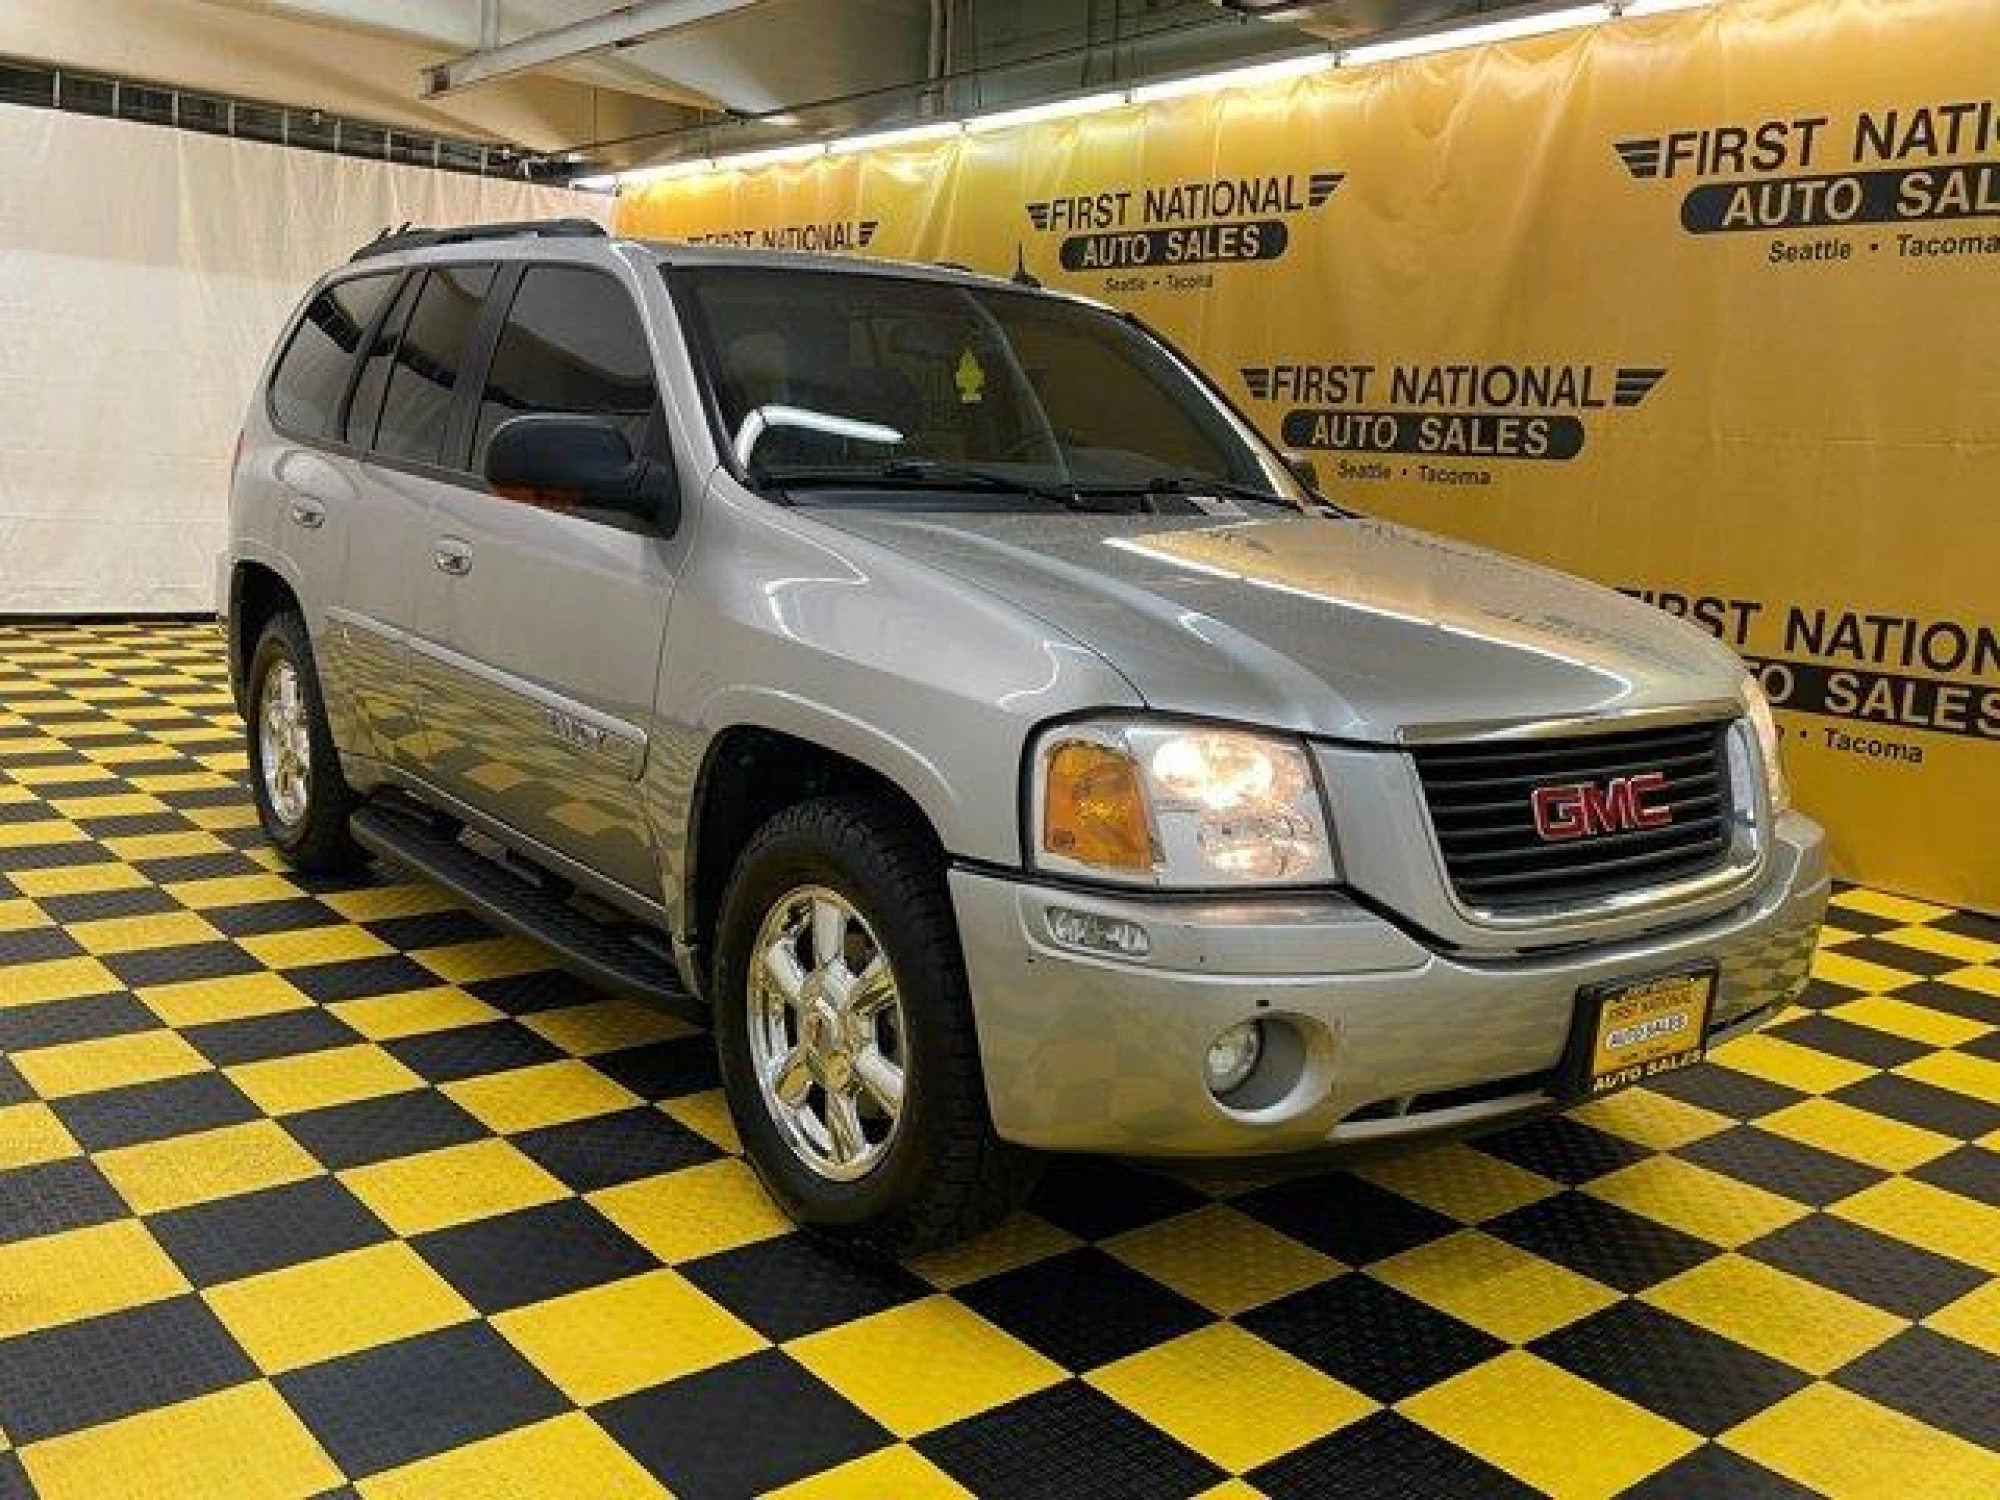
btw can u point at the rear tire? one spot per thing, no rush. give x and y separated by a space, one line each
895 1180
302 799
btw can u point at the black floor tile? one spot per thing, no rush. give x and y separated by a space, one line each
154 1111
1601 1240
1725 1090
663 1070
791 1285
1701 1380
1711 1473
1345 1216
251 1233
1922 1104
1803 1173
1873 1268
740 1429
180 965
53 1196
1371 1336
390 1406
24 1028
470 1051
1563 1149
287 1033
607 1150
1937 1380
81 1374
1860 1044
1094 1198
1971 1171
511 1260
1384 1457
1082 1308
356 978
371 1130
1069 1440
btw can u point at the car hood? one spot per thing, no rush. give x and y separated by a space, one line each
1356 629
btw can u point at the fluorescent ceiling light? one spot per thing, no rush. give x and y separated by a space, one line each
1234 78
770 156
1507 29
604 184
907 135
1055 109
692 167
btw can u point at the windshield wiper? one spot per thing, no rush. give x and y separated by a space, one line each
928 474
1195 485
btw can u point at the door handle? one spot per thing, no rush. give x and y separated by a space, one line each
452 556
308 512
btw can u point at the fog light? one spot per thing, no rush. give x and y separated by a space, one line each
1232 1056
1095 933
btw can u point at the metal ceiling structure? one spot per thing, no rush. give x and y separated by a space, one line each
581 85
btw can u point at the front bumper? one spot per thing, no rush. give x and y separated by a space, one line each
1084 1053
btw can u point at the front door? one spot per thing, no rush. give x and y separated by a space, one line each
540 630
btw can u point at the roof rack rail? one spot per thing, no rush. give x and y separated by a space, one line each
405 238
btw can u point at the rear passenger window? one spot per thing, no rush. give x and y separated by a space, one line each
572 345
366 407
312 373
417 402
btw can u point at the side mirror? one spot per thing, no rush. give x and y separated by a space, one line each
1304 470
563 461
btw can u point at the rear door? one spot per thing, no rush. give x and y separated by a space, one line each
542 628
397 424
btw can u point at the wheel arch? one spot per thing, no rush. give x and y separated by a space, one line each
257 591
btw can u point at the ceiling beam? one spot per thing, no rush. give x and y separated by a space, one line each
622 27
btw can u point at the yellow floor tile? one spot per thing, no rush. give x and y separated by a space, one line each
1878 1140
19 914
1842 1444
243 1443
608 1341
548 1094
897 1473
565 1458
1945 944
1652 1120
1020 1240
1774 1312
1889 908
1230 1396
384 1018
968 1364
1696 1201
1491 1284
1223 1259
1548 1427
232 890
1804 1068
1984 981
77 880
496 958
111 805
1917 1023
64 1278
146 846
1973 1319
302 947
382 903
1961 1072
30 1134
40 833
453 1185
1459 1182
707 1115
108 1063
693 1212
235 997
305 1314
1853 973
55 979
605 1026
156 1176
313 1080
1929 1217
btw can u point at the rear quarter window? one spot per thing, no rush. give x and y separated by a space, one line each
311 376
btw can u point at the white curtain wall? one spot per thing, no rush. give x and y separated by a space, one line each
143 275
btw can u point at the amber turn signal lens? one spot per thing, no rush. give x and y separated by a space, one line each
1094 810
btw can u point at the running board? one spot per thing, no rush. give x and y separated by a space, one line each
593 952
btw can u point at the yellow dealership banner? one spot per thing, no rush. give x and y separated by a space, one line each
1704 306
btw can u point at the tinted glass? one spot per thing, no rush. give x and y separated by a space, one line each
418 400
312 374
1046 390
572 344
366 406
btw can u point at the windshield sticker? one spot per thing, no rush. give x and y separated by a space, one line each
970 378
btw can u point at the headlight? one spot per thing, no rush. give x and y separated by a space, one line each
1768 745
1178 805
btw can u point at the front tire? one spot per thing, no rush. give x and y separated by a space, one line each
843 1024
302 799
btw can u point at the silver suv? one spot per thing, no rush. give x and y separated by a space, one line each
938 687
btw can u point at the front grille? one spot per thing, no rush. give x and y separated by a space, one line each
1480 798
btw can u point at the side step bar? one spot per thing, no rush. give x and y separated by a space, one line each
593 952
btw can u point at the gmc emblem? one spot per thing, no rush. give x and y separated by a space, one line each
1583 809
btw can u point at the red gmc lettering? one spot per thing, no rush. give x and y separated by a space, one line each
1582 809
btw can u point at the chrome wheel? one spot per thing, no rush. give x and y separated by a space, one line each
826 1033
284 743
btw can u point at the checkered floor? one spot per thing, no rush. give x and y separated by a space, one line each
312 1187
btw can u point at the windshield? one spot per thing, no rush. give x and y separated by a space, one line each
822 374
